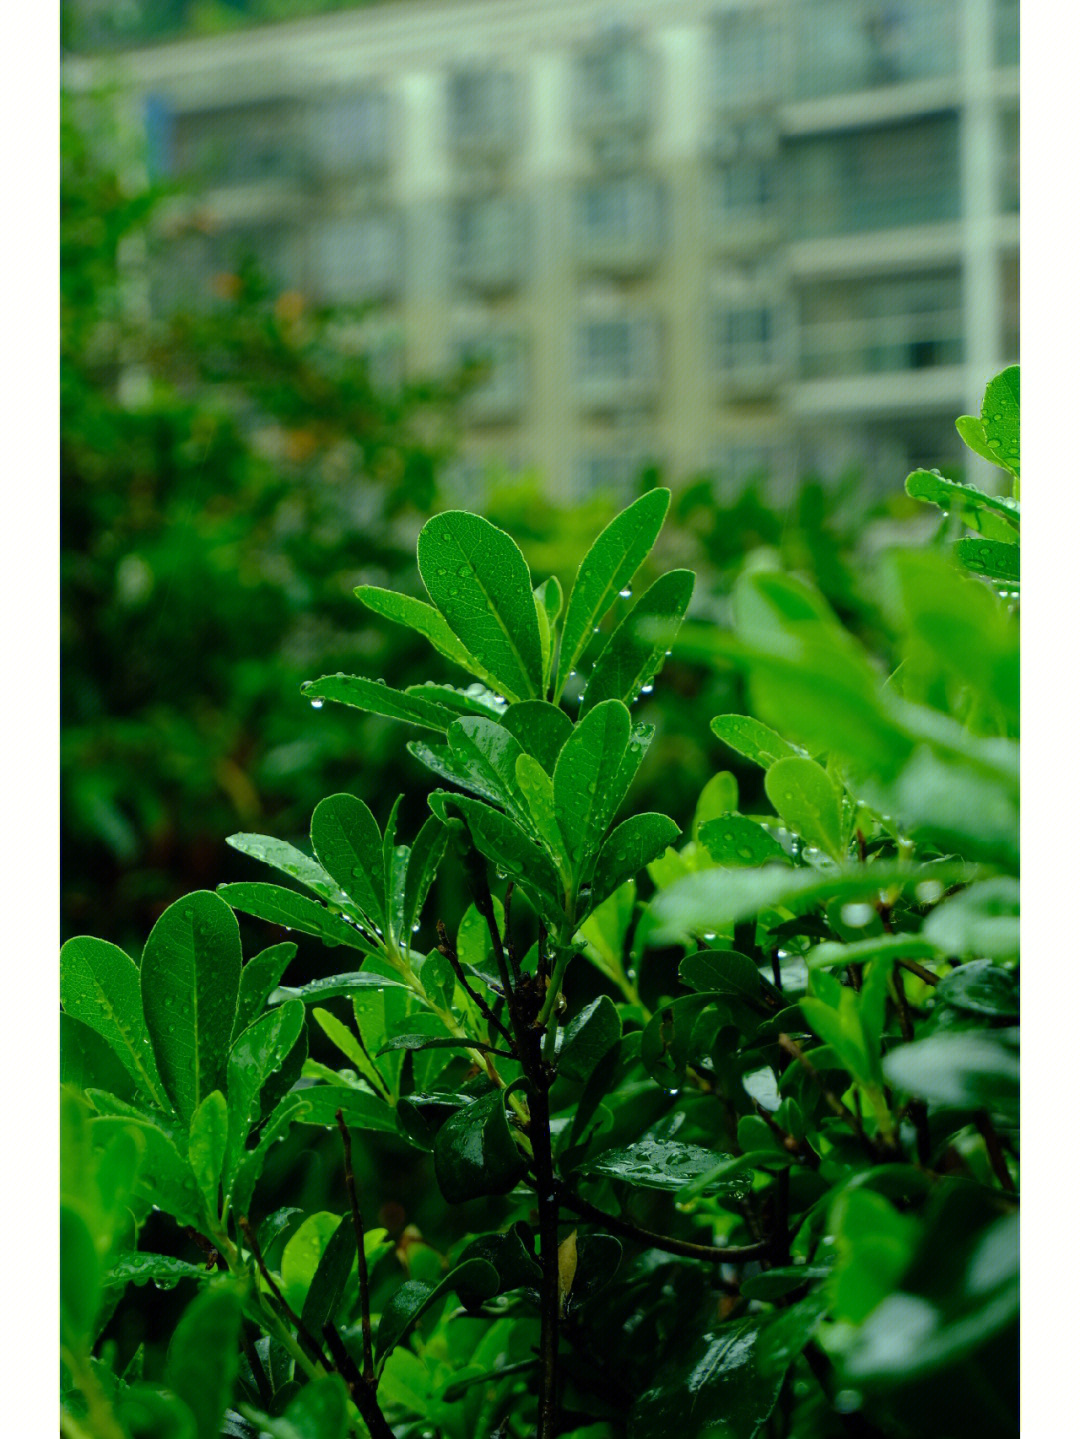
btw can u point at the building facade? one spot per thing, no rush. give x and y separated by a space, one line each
722 237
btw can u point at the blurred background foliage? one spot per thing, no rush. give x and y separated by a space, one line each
229 475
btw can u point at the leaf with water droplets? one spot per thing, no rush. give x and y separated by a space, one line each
475 1153
664 1164
163 1269
534 784
487 753
589 782
809 802
549 599
257 1054
505 843
1001 418
426 621
592 1032
727 972
164 1175
733 839
608 567
348 841
291 861
990 515
425 856
342 1036
474 1281
327 1284
637 648
379 699
679 1034
99 984
991 559
190 980
540 728
971 430
751 738
207 1143
278 905
258 980
475 700
478 579
628 849
719 796
338 986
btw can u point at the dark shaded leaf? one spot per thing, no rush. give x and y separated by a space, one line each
475 1152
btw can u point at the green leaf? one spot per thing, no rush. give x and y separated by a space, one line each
589 781
425 856
99 985
971 431
628 849
293 911
330 1277
338 986
681 1033
874 1246
808 802
503 842
190 980
206 1146
341 1035
80 1280
475 1152
291 861
1001 418
962 1069
258 980
719 797
608 567
664 1164
475 699
163 1269
424 619
88 1062
592 1032
256 1054
992 558
202 1362
989 515
636 650
877 946
982 921
981 987
726 971
733 839
295 1106
319 1411
348 842
478 579
485 751
715 1384
540 728
377 698
360 1110
534 783
165 1176
752 739
150 1413
473 1281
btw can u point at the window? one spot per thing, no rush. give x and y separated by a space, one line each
613 88
619 222
748 338
350 134
1007 32
1009 162
240 145
357 258
744 199
879 179
488 243
847 45
499 360
856 327
484 111
618 360
746 59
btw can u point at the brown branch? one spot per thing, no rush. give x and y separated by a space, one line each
838 1107
994 1151
302 1330
685 1247
361 1392
914 967
903 1012
447 950
361 1257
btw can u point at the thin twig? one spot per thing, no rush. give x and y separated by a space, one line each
914 967
361 1257
903 1012
838 1107
447 950
994 1151
709 1252
303 1332
361 1392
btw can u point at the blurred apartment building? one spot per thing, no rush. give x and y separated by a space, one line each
775 234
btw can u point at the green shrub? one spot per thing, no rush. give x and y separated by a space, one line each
722 1120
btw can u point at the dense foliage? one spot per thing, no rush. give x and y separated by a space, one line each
721 1119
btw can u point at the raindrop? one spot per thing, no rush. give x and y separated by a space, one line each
416 927
464 571
189 914
646 689
709 934
316 704
856 916
625 594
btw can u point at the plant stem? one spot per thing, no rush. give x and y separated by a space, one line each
447 950
360 1390
548 1203
711 1253
361 1257
838 1107
994 1151
301 1328
914 967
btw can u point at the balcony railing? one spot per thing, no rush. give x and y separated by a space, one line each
843 46
888 344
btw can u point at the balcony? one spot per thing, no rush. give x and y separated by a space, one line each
357 258
238 146
617 362
619 224
882 345
750 344
744 204
614 90
488 244
747 60
484 113
349 135
845 46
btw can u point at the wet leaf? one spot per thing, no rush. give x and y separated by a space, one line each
664 1164
808 802
258 980
636 650
589 782
377 698
293 911
202 1362
540 728
347 839
733 839
473 1281
752 739
592 1032
475 1153
425 620
1001 418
